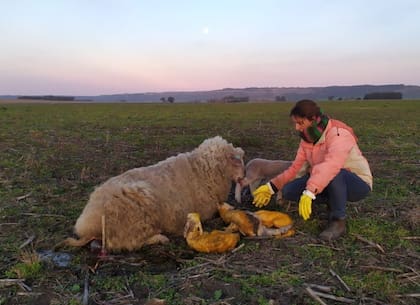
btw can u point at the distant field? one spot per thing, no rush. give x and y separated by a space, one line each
52 156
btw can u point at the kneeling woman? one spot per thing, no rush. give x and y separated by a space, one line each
337 170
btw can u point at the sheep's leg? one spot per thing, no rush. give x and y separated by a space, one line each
74 242
157 239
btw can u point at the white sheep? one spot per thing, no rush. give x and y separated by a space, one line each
142 204
258 171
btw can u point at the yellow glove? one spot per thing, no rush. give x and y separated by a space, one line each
305 204
262 195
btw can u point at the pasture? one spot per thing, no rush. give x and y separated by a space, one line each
52 156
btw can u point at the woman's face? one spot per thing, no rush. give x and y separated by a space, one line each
301 123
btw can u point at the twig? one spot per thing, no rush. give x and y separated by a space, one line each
9 282
410 295
19 282
321 291
238 248
382 268
409 277
408 274
197 275
27 242
412 254
333 297
412 269
320 287
103 234
411 237
31 294
340 280
324 246
85 298
24 196
128 289
24 286
313 295
373 244
363 299
45 215
156 301
225 302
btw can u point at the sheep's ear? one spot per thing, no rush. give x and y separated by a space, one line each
239 151
236 158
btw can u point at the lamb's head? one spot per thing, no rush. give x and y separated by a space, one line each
193 225
224 207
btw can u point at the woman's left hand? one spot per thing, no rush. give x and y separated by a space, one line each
305 204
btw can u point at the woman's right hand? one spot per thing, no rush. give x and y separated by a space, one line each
262 195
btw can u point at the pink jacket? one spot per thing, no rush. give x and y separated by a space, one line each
336 149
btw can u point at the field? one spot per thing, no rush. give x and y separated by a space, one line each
52 156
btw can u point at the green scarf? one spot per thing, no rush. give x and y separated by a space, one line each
314 132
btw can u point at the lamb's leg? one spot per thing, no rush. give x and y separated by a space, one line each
264 231
232 227
157 239
288 233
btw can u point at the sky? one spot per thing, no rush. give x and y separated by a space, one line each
91 47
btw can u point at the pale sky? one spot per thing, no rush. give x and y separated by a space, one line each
89 47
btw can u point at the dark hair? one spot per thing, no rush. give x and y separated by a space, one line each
306 109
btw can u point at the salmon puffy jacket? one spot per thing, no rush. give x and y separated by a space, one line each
336 149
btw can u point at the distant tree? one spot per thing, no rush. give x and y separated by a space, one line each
163 100
280 98
383 96
331 97
235 99
47 97
171 99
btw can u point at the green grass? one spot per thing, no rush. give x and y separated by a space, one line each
52 156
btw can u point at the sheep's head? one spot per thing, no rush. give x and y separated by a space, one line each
193 225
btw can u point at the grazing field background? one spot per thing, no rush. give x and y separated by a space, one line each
53 155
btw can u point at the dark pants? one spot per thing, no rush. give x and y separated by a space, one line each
346 186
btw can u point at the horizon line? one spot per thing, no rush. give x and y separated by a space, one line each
209 90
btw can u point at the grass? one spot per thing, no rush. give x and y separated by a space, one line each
52 156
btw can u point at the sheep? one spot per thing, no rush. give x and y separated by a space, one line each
258 171
143 204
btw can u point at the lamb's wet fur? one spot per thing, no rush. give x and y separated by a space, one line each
142 204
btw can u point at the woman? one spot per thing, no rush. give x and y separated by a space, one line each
337 171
